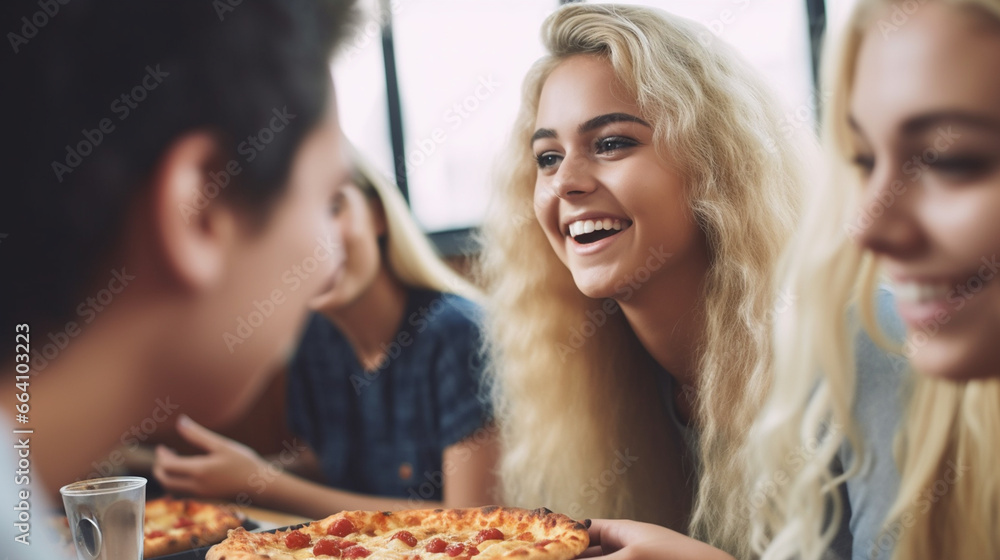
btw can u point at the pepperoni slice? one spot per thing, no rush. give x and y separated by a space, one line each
406 537
436 545
356 551
472 551
183 522
344 543
488 535
297 539
155 534
454 549
326 547
341 528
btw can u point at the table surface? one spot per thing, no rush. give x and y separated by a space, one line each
268 519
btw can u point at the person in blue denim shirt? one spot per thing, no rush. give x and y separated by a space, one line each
383 430
384 388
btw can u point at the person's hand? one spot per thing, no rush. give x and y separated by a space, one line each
628 540
223 471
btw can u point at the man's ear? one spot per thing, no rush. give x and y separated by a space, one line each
193 226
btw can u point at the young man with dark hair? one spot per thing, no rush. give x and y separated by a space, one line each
165 216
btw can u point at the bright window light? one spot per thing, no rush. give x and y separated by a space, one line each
460 66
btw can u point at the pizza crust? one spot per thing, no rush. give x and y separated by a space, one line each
209 524
527 535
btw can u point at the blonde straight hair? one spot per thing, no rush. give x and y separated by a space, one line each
947 444
583 419
407 252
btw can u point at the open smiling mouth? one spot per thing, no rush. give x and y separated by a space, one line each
585 232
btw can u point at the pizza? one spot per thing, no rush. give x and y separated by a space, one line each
174 525
425 534
171 526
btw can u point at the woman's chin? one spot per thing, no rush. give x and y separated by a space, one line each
949 360
597 289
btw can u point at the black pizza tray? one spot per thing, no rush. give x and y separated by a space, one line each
199 553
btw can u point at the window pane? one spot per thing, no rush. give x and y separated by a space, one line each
460 69
359 77
773 35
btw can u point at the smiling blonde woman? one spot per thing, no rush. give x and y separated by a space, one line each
913 130
627 255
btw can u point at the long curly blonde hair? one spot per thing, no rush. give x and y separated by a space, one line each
585 427
950 432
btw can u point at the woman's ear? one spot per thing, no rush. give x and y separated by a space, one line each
193 227
379 219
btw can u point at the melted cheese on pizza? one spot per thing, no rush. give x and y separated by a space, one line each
479 534
385 547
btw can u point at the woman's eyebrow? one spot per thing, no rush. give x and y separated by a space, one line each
602 120
543 133
591 124
925 122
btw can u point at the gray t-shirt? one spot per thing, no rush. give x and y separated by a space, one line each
867 495
877 410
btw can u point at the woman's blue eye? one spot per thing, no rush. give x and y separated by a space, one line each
546 160
614 143
960 167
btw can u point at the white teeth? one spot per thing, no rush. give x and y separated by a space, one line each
915 292
581 227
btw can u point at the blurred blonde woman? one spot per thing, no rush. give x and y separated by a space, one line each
384 388
913 131
645 198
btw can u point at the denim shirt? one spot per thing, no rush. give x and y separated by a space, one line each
383 432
